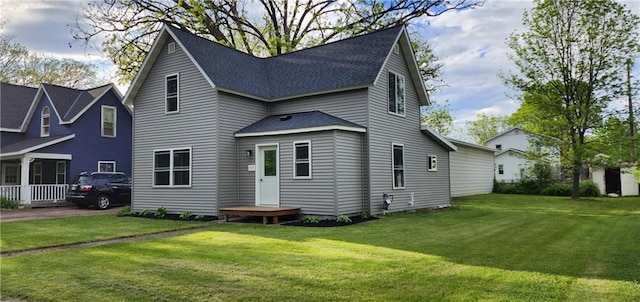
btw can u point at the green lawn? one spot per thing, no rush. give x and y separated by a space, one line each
492 247
18 235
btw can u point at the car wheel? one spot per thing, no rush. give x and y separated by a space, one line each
103 202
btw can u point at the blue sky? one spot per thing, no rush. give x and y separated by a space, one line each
471 45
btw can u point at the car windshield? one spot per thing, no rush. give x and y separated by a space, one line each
82 180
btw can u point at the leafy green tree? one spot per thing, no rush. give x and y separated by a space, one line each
19 66
438 117
613 140
487 126
261 28
573 54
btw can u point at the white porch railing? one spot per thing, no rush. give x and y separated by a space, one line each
48 192
38 193
10 192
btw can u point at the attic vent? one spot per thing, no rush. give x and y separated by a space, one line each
396 49
285 118
172 47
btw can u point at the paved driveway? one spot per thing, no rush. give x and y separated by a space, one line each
52 212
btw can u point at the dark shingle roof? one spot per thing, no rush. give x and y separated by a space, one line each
14 104
69 101
346 63
302 120
30 143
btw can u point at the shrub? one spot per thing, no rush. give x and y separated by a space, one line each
310 219
364 215
126 211
161 212
185 215
144 213
199 217
343 219
557 189
589 189
5 203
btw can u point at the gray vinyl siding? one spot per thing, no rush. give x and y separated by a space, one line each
349 171
430 189
471 171
319 194
347 105
194 126
234 113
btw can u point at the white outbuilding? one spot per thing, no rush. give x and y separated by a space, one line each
472 169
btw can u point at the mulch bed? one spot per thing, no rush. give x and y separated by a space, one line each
330 223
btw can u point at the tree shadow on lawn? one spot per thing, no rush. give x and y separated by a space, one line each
553 242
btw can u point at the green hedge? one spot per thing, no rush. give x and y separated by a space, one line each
530 187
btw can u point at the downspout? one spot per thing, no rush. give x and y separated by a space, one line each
237 175
362 178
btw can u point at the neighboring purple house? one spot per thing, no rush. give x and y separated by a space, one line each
51 133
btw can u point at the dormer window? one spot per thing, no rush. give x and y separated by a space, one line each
45 122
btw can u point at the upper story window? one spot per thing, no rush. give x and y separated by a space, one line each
108 121
172 94
302 159
499 147
398 166
45 121
433 163
172 168
171 48
396 94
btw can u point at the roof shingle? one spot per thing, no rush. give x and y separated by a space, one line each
300 121
14 104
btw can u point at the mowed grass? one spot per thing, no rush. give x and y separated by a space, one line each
19 235
491 247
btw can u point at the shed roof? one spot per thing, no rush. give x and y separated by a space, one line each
298 123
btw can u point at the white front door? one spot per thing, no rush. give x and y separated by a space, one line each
10 174
267 178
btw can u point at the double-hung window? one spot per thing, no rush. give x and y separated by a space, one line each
501 169
172 168
108 121
302 159
396 94
37 173
45 122
172 94
398 166
61 172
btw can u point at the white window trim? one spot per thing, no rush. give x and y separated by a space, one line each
404 94
499 169
171 47
393 172
107 162
396 48
171 185
33 180
295 172
42 116
64 172
115 120
177 75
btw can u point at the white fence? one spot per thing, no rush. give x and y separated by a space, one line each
38 193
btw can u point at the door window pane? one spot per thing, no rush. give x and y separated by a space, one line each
270 163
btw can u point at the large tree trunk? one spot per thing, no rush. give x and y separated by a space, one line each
575 190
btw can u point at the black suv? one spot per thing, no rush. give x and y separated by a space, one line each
99 189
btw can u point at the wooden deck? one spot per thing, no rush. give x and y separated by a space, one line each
263 212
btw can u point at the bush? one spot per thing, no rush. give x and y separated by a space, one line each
161 212
589 189
343 219
185 215
310 219
364 215
8 204
126 211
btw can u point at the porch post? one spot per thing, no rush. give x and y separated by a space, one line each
25 193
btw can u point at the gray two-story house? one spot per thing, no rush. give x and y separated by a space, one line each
328 129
